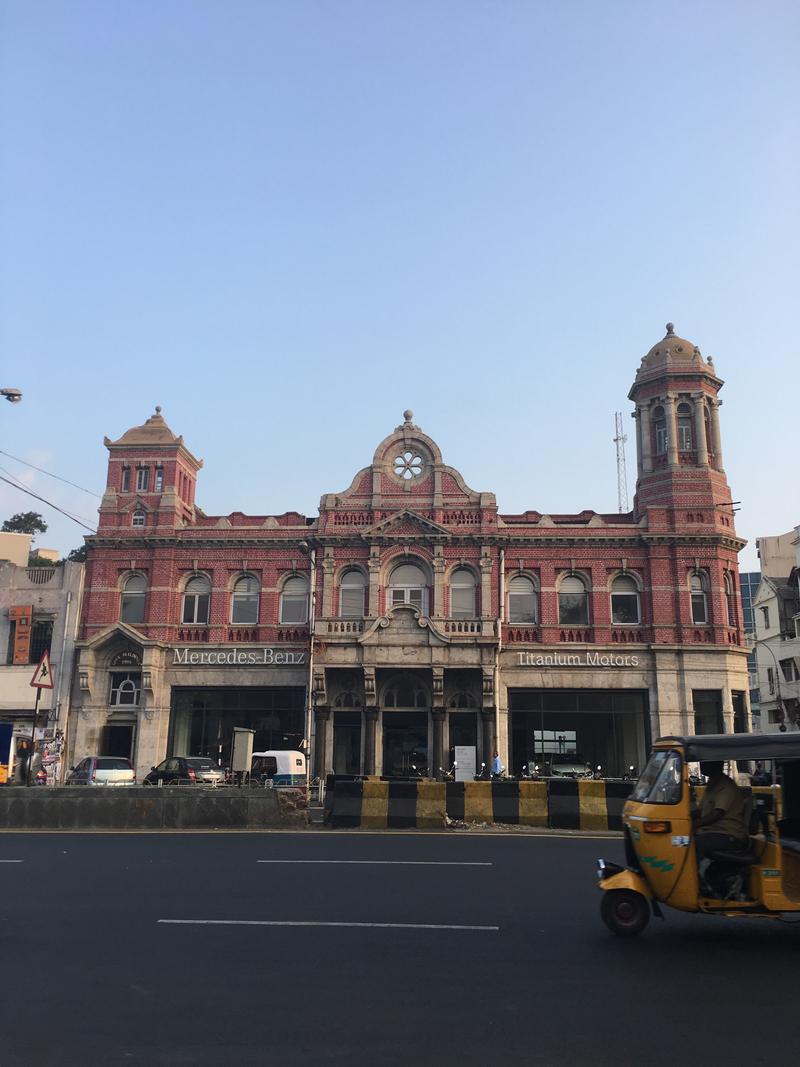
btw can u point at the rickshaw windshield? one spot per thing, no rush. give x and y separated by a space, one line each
660 782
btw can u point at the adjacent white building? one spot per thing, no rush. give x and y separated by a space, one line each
776 617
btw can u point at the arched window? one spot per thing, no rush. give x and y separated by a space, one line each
196 598
294 600
139 518
685 435
347 699
660 430
133 595
462 701
407 585
522 600
698 587
126 688
625 607
730 598
573 601
462 594
244 607
352 594
404 693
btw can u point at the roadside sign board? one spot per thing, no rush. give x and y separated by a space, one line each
43 676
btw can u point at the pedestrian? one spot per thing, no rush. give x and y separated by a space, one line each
497 765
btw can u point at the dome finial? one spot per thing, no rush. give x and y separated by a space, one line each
670 329
158 409
408 415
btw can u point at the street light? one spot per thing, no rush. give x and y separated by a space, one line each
13 396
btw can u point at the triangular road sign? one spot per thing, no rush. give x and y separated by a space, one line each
43 676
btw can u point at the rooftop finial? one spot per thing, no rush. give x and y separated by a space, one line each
670 329
158 409
408 415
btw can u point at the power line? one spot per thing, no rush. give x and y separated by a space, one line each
49 503
21 485
49 474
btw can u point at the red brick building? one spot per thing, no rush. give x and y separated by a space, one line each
410 617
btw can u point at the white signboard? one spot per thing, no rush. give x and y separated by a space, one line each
466 757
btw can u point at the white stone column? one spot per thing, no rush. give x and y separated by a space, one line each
716 441
700 429
646 437
672 431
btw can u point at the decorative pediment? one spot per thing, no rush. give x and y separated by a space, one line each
120 634
405 524
403 626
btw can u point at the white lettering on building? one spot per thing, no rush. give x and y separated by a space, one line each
565 659
237 657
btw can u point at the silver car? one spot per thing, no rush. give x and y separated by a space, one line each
102 770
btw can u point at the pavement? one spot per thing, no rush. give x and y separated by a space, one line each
380 949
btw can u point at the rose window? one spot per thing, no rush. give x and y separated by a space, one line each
408 465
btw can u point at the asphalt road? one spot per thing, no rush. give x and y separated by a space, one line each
462 949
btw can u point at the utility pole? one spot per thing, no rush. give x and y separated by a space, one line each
622 474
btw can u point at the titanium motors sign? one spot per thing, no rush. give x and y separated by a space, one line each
238 657
585 659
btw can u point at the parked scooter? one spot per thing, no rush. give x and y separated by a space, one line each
449 776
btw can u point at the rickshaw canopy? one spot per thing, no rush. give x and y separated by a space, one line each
735 746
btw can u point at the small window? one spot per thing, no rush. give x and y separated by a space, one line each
196 598
573 602
159 485
660 431
138 518
133 598
730 598
126 479
142 479
765 617
245 601
685 441
521 600
41 637
352 595
126 688
697 584
462 594
771 680
625 601
294 601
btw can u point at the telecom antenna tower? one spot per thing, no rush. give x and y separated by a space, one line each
622 474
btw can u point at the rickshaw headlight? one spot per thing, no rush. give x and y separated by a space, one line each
660 826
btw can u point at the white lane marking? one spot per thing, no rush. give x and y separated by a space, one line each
276 922
12 861
390 863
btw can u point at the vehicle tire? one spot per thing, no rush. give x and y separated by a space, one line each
625 912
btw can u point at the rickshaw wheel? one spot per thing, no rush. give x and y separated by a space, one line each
624 912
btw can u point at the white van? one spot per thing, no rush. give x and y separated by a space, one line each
280 766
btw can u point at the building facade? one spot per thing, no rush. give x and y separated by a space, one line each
776 636
409 617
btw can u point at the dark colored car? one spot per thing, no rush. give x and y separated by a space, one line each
186 770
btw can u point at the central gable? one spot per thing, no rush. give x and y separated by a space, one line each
405 524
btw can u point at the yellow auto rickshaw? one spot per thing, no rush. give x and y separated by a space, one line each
761 878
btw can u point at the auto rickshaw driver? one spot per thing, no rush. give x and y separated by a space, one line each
720 822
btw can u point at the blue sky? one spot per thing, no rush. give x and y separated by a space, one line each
287 222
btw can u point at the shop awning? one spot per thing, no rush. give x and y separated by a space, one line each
737 746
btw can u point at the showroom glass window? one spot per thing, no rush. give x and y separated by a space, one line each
522 600
625 606
352 593
133 597
244 608
196 600
407 585
462 594
294 600
697 586
573 601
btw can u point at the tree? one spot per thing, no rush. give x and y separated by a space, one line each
77 555
27 522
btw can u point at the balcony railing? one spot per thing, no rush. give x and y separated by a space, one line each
345 626
462 626
521 633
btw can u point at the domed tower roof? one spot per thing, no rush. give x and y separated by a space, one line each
674 355
153 432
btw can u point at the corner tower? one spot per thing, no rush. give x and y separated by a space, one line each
151 480
678 441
